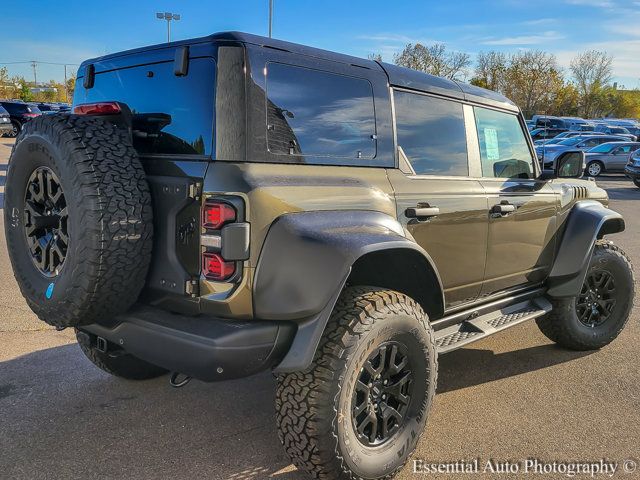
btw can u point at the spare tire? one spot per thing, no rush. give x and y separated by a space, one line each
77 219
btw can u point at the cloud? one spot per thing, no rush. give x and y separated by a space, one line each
544 37
592 3
539 21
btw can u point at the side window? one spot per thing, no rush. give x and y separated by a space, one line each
317 113
504 151
432 134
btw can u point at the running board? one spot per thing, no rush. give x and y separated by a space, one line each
474 329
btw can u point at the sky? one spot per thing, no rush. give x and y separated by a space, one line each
72 31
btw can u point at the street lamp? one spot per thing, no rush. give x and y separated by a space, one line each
168 17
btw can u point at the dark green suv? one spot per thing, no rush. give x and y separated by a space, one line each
232 204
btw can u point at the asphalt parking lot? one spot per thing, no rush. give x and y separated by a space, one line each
512 397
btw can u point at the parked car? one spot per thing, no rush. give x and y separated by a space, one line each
20 113
561 136
547 154
5 122
609 157
545 133
345 223
46 108
549 121
632 169
615 130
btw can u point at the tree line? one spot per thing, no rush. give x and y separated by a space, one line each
533 79
17 87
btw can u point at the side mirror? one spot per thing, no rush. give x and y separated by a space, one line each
570 164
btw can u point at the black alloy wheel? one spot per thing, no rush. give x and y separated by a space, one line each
45 221
382 394
597 298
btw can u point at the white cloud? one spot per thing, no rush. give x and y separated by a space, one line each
544 37
592 3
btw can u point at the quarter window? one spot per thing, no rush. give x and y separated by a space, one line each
431 134
504 151
320 114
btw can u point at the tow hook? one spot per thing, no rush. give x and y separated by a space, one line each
175 381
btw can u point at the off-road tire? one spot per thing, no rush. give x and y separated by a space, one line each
117 362
109 219
636 182
314 407
562 324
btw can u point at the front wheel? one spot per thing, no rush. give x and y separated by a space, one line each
598 314
594 169
360 408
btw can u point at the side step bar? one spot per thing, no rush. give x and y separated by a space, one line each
474 329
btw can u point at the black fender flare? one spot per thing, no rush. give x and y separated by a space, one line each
304 264
587 222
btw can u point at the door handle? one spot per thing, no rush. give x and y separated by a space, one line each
422 212
502 209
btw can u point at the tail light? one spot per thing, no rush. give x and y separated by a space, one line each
31 115
217 214
98 108
214 267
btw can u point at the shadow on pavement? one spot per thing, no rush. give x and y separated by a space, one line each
469 367
76 421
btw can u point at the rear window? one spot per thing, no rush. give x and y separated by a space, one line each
313 113
16 108
3 111
172 114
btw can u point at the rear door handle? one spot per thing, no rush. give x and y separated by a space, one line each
503 209
422 212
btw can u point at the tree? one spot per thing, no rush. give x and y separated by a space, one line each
376 57
592 72
491 68
434 59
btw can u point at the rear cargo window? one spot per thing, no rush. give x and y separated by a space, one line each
172 114
312 113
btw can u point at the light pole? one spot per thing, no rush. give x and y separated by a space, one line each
168 17
34 65
270 16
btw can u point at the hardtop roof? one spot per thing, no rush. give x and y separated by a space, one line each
398 76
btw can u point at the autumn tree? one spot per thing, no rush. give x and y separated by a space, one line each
491 69
434 59
592 72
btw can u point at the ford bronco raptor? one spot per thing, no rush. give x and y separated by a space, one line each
232 204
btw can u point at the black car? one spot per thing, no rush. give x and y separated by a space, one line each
20 113
46 108
5 122
546 133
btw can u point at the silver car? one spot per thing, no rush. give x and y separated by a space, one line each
609 157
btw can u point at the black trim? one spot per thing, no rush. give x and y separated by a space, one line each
588 221
206 348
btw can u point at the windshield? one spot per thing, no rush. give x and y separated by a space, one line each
570 141
603 148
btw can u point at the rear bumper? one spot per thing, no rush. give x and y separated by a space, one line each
206 348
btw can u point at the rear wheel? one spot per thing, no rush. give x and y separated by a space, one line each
116 361
361 407
595 168
598 314
15 130
636 182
